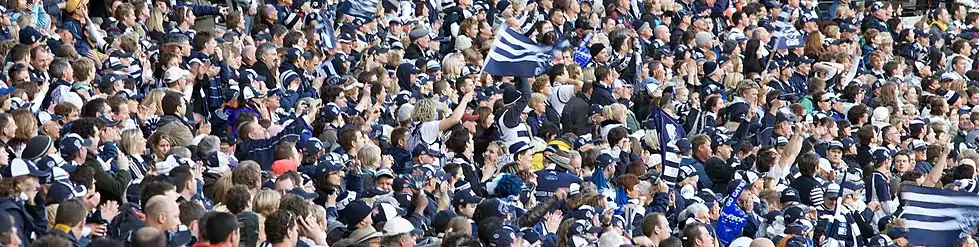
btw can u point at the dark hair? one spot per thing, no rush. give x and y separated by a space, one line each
83 175
347 136
602 72
296 205
93 107
487 227
50 241
150 189
691 232
180 176
650 222
201 39
106 242
237 199
808 163
190 211
170 102
84 127
617 134
219 227
277 225
71 212
457 141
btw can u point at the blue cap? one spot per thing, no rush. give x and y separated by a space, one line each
789 195
918 145
794 213
293 54
250 76
684 145
584 213
312 147
303 193
519 147
20 167
594 109
530 235
73 143
836 144
109 122
897 232
420 150
606 159
331 111
325 166
29 36
505 236
466 197
881 155
345 37
781 141
847 142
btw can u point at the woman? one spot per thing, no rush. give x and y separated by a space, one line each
17 193
370 161
133 146
452 66
159 146
426 130
265 203
154 25
26 128
537 116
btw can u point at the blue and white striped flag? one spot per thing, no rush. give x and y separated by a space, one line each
516 55
324 27
669 131
582 56
365 9
938 217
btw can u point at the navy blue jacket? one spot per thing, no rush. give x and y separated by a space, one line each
28 219
602 95
263 150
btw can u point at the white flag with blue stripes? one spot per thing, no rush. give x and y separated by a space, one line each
938 217
516 55
360 8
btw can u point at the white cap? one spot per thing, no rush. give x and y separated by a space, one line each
396 226
175 73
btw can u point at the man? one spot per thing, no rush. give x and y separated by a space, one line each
221 229
281 229
465 203
880 14
69 221
696 235
8 128
88 133
602 93
419 47
809 187
656 228
257 145
267 58
183 178
163 213
702 152
173 123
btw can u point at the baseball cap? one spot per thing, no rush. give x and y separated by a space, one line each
466 197
175 73
881 155
73 143
325 166
20 167
303 193
789 195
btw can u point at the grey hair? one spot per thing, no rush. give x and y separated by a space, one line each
58 67
180 151
208 144
178 38
265 48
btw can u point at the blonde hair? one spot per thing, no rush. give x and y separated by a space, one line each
155 21
369 156
154 99
614 111
537 98
266 202
452 66
128 142
425 110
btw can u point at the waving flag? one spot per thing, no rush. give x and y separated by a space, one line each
360 8
669 132
516 55
582 55
732 219
324 27
937 217
789 38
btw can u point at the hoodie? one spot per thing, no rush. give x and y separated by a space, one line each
29 220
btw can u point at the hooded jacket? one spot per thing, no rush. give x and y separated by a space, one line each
28 219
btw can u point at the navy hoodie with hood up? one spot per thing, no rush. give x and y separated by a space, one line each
28 219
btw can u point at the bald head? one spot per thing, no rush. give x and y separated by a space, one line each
162 212
248 53
148 237
762 242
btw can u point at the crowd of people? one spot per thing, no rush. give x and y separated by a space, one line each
554 123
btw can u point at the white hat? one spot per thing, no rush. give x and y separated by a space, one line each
175 73
396 226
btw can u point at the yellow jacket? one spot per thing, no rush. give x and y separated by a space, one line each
538 162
